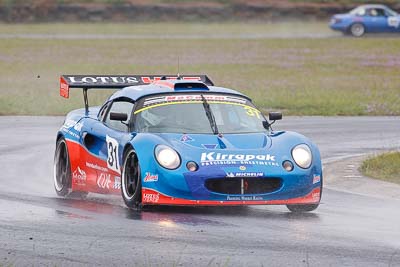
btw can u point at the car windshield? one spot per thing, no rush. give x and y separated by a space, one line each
196 113
359 11
390 12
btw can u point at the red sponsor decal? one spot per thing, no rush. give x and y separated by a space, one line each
151 197
195 97
151 177
153 79
64 88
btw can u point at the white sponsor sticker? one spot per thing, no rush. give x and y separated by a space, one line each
104 181
78 126
394 22
117 182
316 178
244 174
79 176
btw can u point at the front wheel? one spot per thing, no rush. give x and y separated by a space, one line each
357 29
131 181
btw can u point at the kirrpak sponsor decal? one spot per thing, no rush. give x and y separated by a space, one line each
213 158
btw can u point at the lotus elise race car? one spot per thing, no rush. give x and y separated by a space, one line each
367 19
165 140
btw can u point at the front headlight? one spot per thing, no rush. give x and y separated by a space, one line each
302 156
167 157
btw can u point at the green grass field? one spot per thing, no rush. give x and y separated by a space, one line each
384 167
331 76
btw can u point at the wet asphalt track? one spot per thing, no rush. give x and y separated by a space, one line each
37 228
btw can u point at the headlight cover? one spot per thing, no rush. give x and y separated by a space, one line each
302 156
167 157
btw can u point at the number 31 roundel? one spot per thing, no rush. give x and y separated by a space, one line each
112 148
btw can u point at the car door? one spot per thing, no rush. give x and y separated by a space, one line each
105 142
376 20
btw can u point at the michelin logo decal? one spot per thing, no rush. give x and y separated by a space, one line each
244 174
213 158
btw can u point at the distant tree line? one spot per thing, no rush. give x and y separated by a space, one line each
173 10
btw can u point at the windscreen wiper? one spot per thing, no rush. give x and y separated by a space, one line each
210 115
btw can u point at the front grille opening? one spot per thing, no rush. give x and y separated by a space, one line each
240 186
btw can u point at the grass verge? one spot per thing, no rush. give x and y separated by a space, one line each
301 76
383 167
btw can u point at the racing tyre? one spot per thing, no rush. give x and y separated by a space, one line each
357 29
131 181
62 169
302 207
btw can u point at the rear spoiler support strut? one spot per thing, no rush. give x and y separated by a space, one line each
86 100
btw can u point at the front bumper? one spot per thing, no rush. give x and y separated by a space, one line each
239 183
153 197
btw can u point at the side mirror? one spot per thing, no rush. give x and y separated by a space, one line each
275 116
118 116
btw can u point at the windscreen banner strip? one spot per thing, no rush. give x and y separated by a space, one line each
189 99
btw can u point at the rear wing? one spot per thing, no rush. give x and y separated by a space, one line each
87 82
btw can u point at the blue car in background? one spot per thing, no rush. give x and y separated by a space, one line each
367 19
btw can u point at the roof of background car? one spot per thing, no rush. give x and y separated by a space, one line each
373 6
136 92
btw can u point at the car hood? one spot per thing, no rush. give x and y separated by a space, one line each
226 141
229 155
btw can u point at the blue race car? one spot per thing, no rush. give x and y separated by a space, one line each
367 19
181 140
